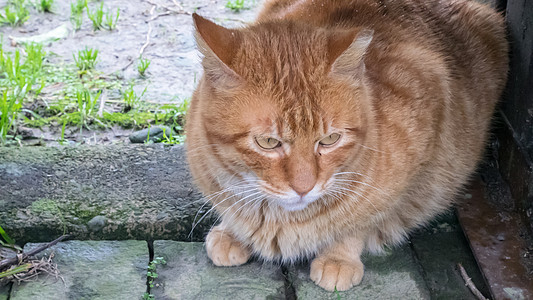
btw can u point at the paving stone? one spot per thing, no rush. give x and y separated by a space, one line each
439 248
91 270
394 275
189 274
4 291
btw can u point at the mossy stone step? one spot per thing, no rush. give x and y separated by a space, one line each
98 192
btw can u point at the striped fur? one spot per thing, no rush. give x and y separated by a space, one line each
410 85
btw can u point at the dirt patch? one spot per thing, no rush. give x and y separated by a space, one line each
162 27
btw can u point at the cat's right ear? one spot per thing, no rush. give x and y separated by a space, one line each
219 46
346 51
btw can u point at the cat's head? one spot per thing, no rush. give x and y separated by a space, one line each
284 106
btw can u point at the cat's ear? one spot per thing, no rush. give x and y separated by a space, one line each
346 51
219 46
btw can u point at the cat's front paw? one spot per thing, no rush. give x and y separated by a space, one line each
224 250
332 274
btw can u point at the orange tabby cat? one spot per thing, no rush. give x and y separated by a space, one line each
330 127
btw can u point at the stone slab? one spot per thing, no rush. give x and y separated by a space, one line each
114 192
4 291
189 274
90 270
439 247
394 275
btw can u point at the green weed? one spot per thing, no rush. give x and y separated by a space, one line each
10 106
15 13
236 5
76 13
152 275
6 238
142 65
110 20
62 138
131 99
337 294
172 139
86 106
77 8
7 241
97 17
15 270
86 59
45 5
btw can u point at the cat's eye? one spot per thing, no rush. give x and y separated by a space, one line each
267 143
330 139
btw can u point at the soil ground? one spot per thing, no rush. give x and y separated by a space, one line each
163 28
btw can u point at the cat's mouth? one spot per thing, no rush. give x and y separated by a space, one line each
294 206
296 203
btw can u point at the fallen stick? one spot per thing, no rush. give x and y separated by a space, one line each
14 260
470 284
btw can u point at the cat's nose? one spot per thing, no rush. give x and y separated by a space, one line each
303 187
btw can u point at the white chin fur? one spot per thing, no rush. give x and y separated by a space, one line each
293 206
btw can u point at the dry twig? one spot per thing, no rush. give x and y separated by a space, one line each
15 260
470 284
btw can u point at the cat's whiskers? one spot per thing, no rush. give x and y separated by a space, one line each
358 194
362 183
369 148
250 188
231 206
210 197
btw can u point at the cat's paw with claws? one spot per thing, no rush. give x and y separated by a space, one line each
333 274
224 250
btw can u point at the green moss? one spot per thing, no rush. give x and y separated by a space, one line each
43 206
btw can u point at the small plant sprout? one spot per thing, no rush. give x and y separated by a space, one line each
86 59
97 17
110 20
236 5
86 106
77 8
45 5
142 65
15 13
76 13
151 273
10 106
131 99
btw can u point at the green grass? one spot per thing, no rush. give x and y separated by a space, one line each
19 79
111 20
6 239
45 5
97 17
86 107
78 7
61 96
15 13
76 13
237 5
142 65
86 59
131 99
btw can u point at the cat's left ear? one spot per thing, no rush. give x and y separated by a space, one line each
346 51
